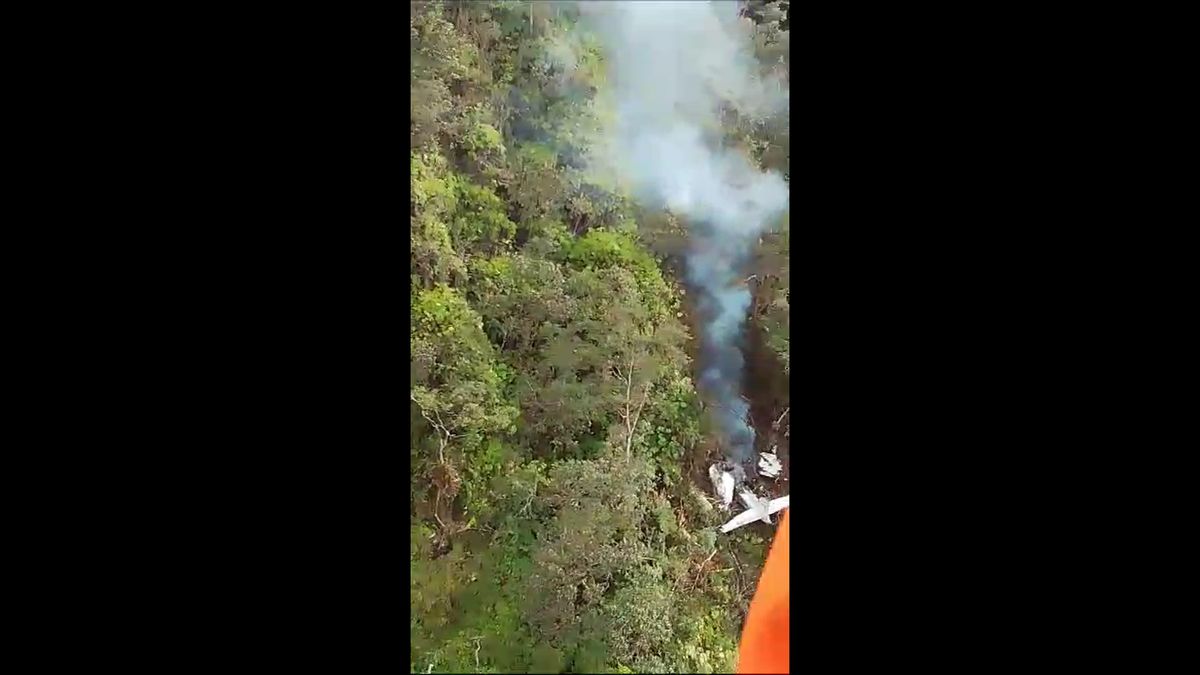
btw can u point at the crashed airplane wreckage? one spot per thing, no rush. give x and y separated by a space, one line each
725 478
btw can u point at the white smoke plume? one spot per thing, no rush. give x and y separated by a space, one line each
671 67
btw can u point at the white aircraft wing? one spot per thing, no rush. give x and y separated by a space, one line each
755 510
758 506
740 520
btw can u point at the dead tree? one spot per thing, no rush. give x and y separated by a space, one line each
629 415
445 476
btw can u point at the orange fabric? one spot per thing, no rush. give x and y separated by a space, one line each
765 637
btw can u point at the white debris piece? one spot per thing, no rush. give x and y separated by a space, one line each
722 484
769 464
752 514
755 504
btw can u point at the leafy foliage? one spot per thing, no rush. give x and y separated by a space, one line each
552 408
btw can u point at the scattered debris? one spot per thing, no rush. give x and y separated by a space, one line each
728 477
769 464
722 484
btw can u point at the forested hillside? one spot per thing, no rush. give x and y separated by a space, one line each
560 521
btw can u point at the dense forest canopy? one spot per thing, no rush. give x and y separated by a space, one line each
557 523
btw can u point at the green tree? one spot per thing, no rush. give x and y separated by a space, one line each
458 389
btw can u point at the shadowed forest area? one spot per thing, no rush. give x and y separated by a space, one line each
558 522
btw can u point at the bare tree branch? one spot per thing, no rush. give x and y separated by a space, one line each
785 411
636 417
444 439
629 414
